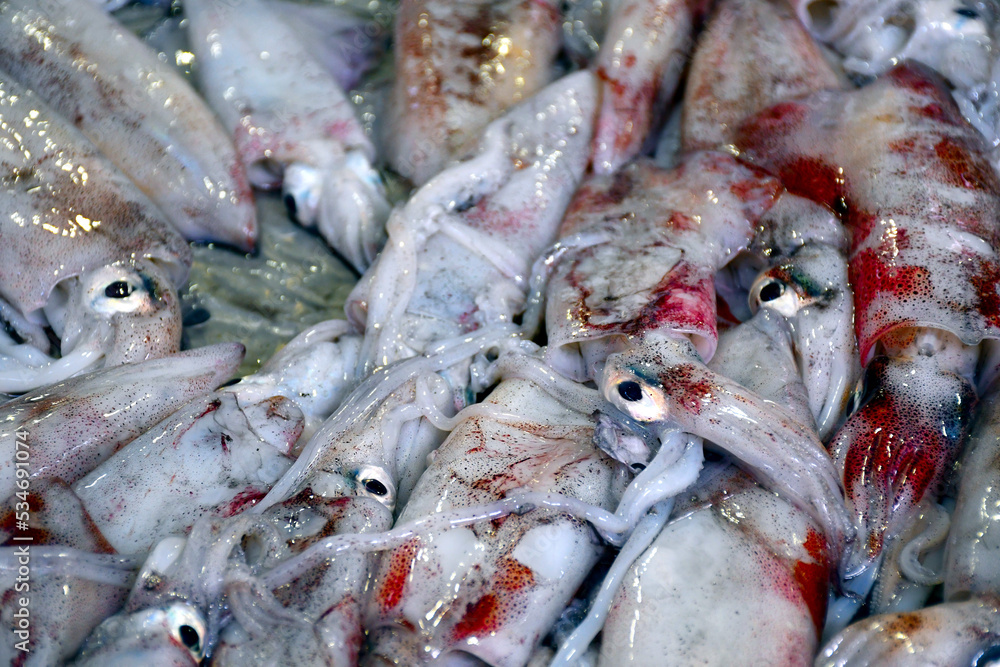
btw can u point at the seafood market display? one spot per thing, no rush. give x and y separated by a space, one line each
619 332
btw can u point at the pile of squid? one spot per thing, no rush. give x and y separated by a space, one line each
680 348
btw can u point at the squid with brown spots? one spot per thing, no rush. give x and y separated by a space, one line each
444 291
911 180
458 67
644 332
642 57
67 429
84 256
65 605
753 54
493 589
219 454
739 574
139 111
314 618
292 124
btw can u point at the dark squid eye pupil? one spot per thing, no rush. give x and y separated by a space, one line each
291 206
630 391
189 637
771 291
118 290
375 487
967 13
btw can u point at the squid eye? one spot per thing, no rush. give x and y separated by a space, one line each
988 658
965 12
376 483
771 291
118 290
375 487
187 627
637 399
189 637
630 391
775 294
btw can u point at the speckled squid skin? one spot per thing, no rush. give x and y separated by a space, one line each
739 578
492 590
213 457
753 54
65 609
741 575
458 66
642 55
955 633
511 207
972 562
137 109
914 186
284 108
896 451
76 424
68 210
330 596
671 230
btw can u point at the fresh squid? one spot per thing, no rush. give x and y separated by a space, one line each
71 427
65 606
83 253
458 67
971 564
141 113
492 590
954 633
637 608
952 36
753 54
292 124
172 613
643 334
471 228
643 53
912 183
314 618
221 453
212 457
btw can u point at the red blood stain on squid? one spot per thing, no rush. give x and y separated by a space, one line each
390 593
248 497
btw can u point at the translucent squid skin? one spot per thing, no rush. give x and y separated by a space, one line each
741 575
66 607
915 188
136 109
896 451
493 589
640 62
330 599
972 565
952 633
76 424
673 229
291 123
752 55
458 66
